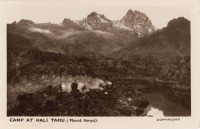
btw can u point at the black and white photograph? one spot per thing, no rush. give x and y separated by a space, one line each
99 64
113 61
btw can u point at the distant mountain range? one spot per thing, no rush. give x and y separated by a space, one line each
96 34
173 39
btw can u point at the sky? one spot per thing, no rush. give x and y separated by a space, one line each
55 11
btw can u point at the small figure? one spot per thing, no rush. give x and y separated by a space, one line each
60 88
75 92
50 89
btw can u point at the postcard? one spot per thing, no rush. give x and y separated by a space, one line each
100 64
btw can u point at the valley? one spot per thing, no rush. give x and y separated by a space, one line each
98 67
129 78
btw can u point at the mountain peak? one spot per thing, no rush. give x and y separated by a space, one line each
178 22
94 16
25 22
138 21
66 22
130 11
69 24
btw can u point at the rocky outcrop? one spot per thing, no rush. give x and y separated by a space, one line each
95 17
69 24
138 21
25 22
114 100
171 40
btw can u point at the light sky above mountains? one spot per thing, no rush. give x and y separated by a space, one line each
55 12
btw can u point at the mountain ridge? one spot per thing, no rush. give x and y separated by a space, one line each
95 18
173 39
96 34
138 21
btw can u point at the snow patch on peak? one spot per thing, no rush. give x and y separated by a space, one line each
95 17
101 19
86 26
121 26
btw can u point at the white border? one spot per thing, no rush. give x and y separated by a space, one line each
113 122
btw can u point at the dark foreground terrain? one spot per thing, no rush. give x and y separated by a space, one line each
114 63
34 79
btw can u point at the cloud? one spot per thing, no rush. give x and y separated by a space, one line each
35 29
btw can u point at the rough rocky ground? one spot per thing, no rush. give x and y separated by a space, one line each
112 101
31 73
